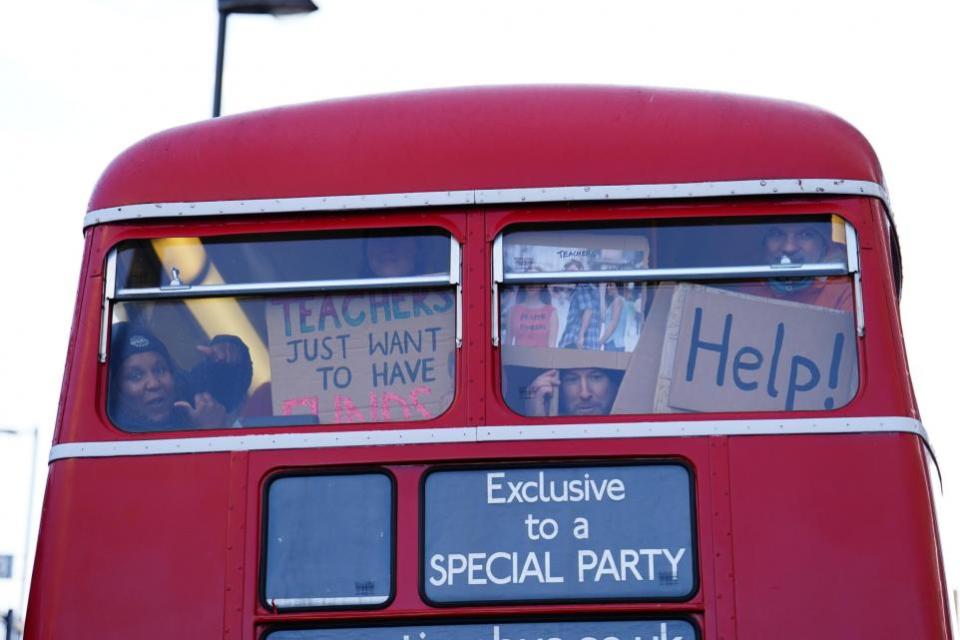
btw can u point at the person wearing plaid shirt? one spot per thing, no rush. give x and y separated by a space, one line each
582 330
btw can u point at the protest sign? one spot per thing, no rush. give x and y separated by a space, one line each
551 252
372 357
558 533
712 349
730 351
639 383
543 358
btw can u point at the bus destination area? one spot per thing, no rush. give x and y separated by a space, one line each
559 533
593 630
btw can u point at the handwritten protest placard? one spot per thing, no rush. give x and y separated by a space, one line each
372 357
526 251
730 351
714 349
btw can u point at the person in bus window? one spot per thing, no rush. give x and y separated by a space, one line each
589 391
614 318
147 391
392 257
582 330
532 320
400 256
224 372
804 243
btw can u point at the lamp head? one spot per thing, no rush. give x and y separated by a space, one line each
271 7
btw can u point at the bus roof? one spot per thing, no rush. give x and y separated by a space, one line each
487 138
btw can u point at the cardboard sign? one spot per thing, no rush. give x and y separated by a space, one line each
711 349
372 357
639 385
526 251
564 358
728 351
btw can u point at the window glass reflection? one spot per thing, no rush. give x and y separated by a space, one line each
734 242
667 347
377 356
595 347
329 541
168 262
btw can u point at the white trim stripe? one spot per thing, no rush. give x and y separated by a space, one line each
725 189
379 437
289 603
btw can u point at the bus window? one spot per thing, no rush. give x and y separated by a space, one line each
329 541
306 329
680 316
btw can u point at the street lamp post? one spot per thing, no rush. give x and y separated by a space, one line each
26 539
262 7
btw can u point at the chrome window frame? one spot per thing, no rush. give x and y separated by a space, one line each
113 294
850 267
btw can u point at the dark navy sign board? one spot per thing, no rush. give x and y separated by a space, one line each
558 533
600 630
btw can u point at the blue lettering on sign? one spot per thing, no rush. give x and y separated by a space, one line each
558 534
803 373
303 316
593 630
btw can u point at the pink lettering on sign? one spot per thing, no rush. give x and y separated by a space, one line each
345 410
343 404
311 402
415 399
392 398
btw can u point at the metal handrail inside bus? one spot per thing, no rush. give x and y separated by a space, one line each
179 291
851 267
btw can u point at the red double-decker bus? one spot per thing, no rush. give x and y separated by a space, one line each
575 363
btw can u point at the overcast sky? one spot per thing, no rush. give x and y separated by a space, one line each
82 80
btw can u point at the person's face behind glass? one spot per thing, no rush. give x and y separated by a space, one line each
800 243
391 257
146 389
586 392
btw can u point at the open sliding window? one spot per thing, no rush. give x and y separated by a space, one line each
731 315
292 329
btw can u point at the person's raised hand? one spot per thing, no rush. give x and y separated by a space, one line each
205 412
540 392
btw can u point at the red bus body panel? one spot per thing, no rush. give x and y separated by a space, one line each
492 138
798 536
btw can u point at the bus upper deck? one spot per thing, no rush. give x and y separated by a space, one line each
564 361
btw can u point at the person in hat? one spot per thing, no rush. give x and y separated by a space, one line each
148 392
797 243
